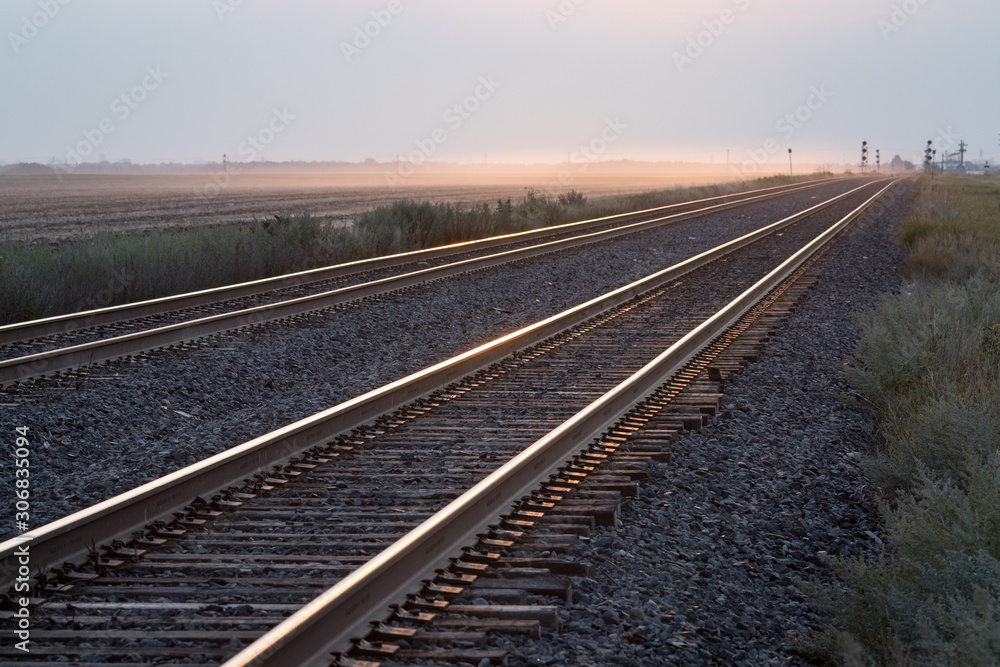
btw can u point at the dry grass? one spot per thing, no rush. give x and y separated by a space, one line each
108 269
116 267
929 361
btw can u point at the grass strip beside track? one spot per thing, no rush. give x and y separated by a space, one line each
929 366
122 312
111 268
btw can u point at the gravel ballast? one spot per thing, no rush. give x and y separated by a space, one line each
122 424
704 566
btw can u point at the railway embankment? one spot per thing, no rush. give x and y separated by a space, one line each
708 562
123 426
858 519
928 372
731 267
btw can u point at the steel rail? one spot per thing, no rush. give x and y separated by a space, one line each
113 314
76 356
69 538
331 621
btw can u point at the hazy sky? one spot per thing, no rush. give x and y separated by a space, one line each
511 80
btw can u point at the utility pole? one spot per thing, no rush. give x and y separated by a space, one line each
790 162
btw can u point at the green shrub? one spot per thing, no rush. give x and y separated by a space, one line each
929 365
933 600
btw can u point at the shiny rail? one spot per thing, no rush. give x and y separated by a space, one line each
333 620
70 538
77 356
113 314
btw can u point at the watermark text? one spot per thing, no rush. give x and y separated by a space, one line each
563 12
364 35
787 126
455 117
122 107
705 39
32 25
899 17
22 518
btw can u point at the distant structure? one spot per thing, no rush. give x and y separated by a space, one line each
954 162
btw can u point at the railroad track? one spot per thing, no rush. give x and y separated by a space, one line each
64 343
206 577
290 285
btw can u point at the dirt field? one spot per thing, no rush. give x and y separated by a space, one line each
52 208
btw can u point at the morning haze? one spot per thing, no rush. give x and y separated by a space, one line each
510 81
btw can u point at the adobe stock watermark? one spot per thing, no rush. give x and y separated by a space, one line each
587 154
698 44
121 108
22 521
899 16
32 25
250 148
946 140
786 126
364 35
455 117
255 144
224 8
563 12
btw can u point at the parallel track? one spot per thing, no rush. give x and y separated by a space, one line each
142 339
319 527
154 307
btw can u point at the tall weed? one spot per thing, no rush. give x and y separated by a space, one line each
929 363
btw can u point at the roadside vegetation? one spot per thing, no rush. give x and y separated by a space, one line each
108 269
929 366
